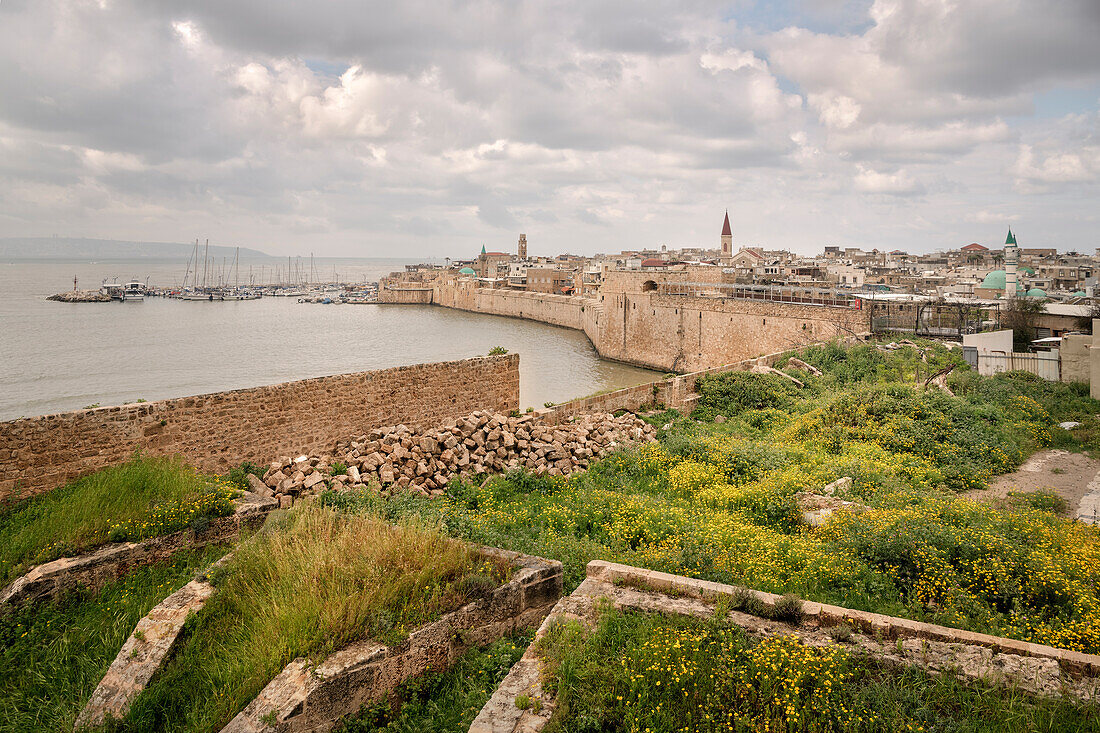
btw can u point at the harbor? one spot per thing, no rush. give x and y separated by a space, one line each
205 280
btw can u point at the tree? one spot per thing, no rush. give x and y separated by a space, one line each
1021 315
1084 323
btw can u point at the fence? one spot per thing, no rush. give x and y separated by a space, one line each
766 293
1045 364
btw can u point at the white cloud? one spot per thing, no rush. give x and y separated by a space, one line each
898 183
589 124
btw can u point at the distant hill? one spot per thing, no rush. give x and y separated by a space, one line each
68 248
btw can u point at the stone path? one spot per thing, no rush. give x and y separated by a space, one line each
1073 476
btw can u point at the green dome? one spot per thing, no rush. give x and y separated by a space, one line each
1027 269
996 281
467 271
1079 294
1036 293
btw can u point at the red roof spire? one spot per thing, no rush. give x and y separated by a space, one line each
726 225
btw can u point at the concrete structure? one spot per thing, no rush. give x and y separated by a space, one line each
890 641
220 430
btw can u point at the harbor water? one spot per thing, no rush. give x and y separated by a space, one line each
56 357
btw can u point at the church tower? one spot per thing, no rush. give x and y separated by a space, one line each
522 249
727 238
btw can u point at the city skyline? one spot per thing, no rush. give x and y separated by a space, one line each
375 131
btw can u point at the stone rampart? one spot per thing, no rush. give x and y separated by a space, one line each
219 430
684 334
633 322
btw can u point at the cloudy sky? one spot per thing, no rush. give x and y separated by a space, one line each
426 127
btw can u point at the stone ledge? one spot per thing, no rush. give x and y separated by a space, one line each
94 570
638 590
151 642
308 697
889 627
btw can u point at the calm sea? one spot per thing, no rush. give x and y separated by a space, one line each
60 356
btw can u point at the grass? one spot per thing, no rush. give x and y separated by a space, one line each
310 582
52 656
720 501
141 498
635 672
443 702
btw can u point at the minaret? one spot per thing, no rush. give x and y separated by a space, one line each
727 238
1011 252
522 249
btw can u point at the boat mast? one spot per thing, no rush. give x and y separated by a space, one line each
205 262
188 270
237 270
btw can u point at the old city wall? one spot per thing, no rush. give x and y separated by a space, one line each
408 296
220 430
557 310
630 323
687 334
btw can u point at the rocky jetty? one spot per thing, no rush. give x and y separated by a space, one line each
81 296
399 459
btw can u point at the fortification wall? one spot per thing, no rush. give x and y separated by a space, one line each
686 334
557 310
631 321
409 295
219 430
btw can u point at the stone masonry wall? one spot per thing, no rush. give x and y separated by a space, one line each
219 430
670 333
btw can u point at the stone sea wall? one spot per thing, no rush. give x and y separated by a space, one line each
630 322
219 430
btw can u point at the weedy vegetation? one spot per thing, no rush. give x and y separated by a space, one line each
310 582
635 672
144 497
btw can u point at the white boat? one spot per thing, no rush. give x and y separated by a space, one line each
133 291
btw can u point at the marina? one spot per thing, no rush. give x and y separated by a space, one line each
169 347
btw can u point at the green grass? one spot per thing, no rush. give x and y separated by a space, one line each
720 501
310 582
143 497
444 702
52 656
635 672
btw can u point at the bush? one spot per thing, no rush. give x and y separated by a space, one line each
730 393
238 475
498 351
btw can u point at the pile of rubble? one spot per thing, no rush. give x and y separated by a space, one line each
398 458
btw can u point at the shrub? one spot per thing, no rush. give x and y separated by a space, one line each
788 608
498 351
338 468
238 475
730 393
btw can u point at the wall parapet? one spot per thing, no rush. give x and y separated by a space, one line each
216 431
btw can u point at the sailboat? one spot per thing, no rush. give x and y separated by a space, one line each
236 293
